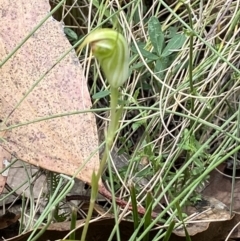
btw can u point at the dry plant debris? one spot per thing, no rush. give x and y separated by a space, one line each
61 144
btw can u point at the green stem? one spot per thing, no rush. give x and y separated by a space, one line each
114 118
94 192
191 60
42 231
115 114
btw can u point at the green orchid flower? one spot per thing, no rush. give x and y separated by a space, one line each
111 50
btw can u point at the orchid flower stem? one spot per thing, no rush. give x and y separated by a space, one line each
111 50
115 115
113 126
94 193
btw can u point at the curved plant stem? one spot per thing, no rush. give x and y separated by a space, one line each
42 231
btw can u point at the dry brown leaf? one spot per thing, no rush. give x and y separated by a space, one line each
208 211
9 225
215 231
61 144
8 219
19 174
220 187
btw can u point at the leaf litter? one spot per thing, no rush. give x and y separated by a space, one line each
61 144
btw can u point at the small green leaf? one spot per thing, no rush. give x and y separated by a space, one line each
137 124
134 205
144 172
145 53
174 44
172 32
144 85
140 64
156 35
70 33
160 67
101 94
136 93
